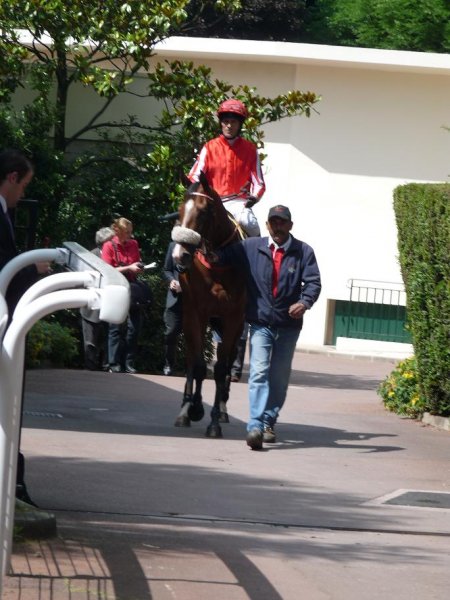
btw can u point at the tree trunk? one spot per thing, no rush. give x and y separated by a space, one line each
61 100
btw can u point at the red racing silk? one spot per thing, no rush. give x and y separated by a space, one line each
230 167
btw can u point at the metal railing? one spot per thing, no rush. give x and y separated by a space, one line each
377 292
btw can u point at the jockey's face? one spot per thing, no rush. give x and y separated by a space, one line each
231 127
279 229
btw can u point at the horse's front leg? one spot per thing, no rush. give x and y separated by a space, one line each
226 353
223 380
219 411
196 410
192 406
183 419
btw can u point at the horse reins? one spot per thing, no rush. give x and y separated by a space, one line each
202 250
203 195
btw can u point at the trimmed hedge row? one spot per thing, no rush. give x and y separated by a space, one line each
423 221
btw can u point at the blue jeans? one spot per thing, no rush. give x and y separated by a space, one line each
271 353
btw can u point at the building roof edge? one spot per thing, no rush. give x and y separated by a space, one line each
289 52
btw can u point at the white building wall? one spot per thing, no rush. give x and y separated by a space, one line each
380 125
373 134
377 129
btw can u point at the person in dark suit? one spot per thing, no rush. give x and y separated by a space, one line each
16 172
173 313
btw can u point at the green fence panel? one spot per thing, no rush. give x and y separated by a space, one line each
370 321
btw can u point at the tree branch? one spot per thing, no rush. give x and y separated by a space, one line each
95 160
114 125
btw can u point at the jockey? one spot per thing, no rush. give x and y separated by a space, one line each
232 167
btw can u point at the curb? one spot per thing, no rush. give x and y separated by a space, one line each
435 421
34 523
331 351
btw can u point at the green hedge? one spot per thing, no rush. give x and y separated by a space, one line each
423 221
50 344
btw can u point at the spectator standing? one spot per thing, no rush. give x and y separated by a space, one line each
122 252
173 313
95 332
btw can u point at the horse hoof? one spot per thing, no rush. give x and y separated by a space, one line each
182 422
196 411
213 431
223 417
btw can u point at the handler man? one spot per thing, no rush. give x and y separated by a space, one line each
283 282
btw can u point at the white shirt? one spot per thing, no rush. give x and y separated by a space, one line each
3 203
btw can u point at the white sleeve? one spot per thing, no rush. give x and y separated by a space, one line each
199 165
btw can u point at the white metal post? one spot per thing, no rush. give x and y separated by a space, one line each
107 292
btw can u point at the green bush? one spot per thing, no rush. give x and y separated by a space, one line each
400 390
423 221
49 342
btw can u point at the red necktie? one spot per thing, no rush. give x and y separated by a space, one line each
277 256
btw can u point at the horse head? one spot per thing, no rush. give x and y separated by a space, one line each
199 215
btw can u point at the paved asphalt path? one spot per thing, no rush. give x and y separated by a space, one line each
147 511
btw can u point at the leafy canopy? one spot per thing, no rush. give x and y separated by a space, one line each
256 20
395 24
102 45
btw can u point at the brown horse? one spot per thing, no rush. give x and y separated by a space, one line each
209 293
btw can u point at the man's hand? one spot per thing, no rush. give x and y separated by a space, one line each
43 268
297 310
175 286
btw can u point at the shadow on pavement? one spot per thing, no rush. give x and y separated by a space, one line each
153 414
140 557
328 380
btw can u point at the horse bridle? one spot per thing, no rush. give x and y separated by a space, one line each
203 195
203 248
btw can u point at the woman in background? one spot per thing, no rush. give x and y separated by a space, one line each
122 252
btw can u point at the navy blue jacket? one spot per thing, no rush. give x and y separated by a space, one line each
299 280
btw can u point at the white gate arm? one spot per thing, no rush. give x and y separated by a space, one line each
91 284
57 255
